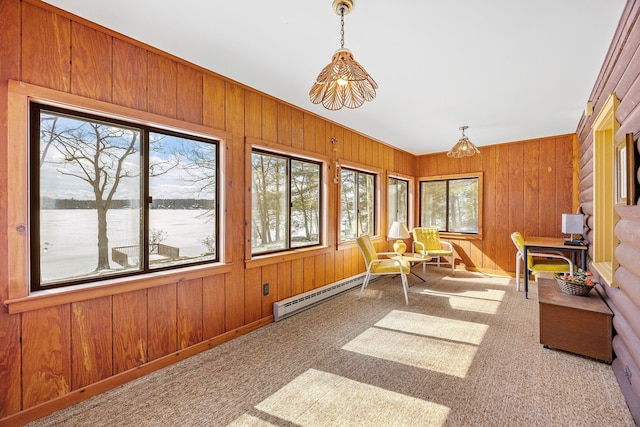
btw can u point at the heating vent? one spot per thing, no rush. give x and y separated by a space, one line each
293 305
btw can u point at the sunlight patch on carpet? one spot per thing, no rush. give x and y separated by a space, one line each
485 301
439 344
321 398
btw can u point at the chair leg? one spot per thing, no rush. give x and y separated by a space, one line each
518 273
405 287
364 284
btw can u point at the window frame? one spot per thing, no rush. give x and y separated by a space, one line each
448 178
36 109
406 182
20 298
604 128
375 204
321 201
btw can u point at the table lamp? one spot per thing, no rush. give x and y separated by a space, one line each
572 224
399 231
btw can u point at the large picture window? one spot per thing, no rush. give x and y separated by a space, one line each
398 203
111 198
451 204
285 202
357 204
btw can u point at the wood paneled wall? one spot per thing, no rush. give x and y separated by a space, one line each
620 74
57 354
53 356
528 185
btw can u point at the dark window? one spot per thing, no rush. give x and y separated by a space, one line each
111 198
285 198
357 204
451 205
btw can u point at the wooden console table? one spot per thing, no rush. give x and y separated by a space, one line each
578 324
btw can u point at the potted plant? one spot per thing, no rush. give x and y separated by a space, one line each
580 283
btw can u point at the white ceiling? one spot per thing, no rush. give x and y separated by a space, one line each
509 69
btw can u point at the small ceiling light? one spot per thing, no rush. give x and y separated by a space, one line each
464 147
343 83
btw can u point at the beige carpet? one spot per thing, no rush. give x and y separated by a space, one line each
465 352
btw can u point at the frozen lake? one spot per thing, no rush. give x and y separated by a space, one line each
69 237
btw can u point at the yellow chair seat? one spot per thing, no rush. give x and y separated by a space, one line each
550 265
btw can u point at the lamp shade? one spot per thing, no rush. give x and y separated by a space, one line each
399 231
572 223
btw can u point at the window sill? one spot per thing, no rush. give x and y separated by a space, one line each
66 295
268 259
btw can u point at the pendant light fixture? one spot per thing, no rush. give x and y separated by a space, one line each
343 83
464 147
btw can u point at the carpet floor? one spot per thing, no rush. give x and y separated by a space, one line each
464 352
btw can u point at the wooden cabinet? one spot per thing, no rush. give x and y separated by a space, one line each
578 324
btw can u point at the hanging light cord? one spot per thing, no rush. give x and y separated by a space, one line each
341 27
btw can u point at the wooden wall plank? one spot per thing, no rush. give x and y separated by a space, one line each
284 280
252 294
284 124
46 349
339 265
129 75
297 276
309 273
253 115
189 87
162 85
297 128
503 234
213 306
10 356
92 342
309 132
189 312
129 330
213 109
270 276
564 178
516 195
234 226
548 223
329 267
91 63
161 327
46 53
489 218
269 119
531 190
319 266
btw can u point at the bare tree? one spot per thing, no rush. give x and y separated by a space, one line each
95 153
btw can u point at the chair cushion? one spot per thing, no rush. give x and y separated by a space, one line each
549 265
389 266
439 252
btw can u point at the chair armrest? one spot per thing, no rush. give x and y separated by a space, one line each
447 244
413 246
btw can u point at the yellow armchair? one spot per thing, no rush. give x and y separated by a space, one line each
376 266
426 241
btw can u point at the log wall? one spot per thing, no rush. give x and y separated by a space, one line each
620 74
57 350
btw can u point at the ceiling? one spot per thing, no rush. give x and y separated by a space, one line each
509 69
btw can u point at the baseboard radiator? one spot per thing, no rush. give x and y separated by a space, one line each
290 306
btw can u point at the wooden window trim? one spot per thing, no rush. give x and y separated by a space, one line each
19 295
